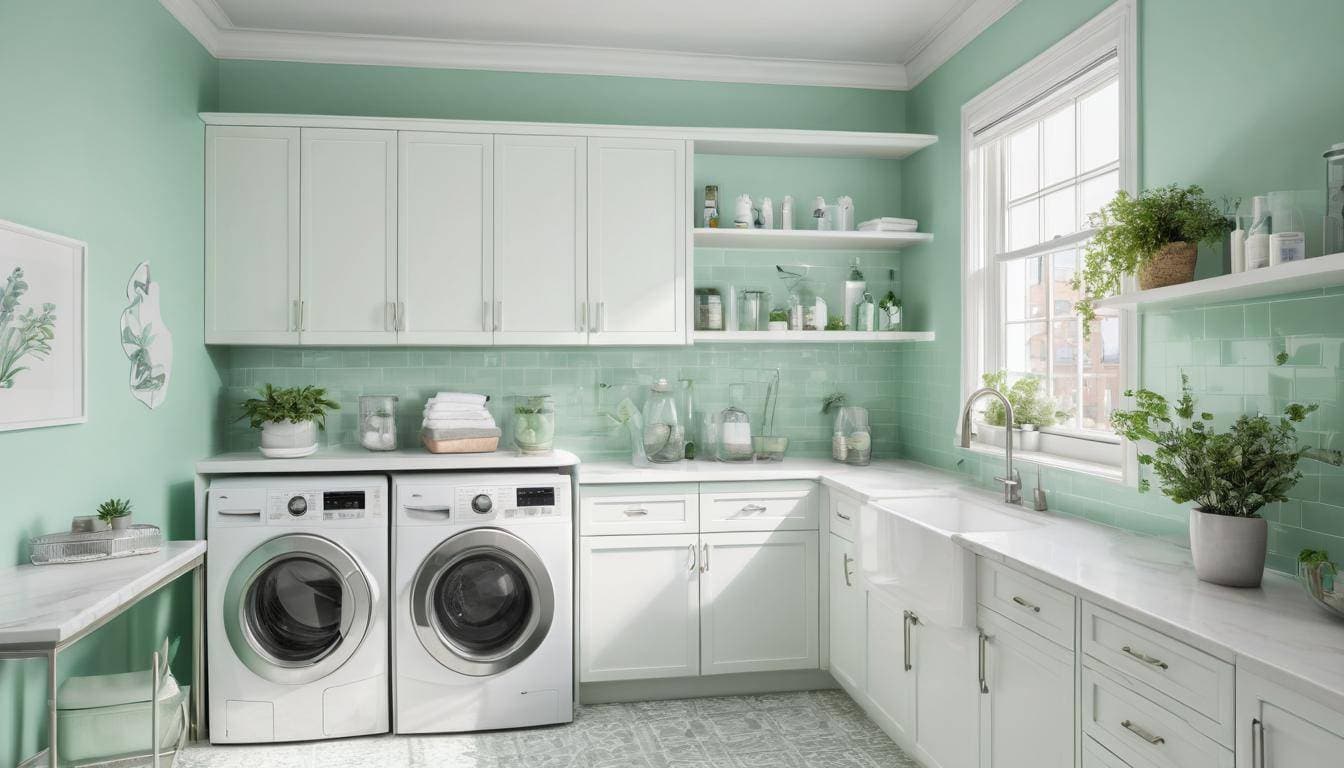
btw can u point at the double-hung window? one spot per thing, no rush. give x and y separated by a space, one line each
1043 149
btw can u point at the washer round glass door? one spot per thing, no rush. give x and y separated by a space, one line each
296 608
481 602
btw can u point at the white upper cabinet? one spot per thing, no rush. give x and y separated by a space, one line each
637 235
445 273
758 602
349 237
541 240
252 235
1279 728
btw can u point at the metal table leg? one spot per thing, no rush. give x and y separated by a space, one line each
52 760
198 727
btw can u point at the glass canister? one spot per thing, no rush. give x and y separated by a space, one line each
735 428
852 423
708 309
378 422
1334 200
753 312
534 423
664 432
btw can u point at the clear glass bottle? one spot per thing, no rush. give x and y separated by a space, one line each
664 432
534 423
378 422
852 422
735 427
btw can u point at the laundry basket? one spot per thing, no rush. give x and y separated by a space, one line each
106 717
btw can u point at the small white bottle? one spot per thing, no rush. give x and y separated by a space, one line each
786 213
1257 239
767 213
1237 240
820 222
839 446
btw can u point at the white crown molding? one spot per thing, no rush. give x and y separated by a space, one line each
952 34
211 26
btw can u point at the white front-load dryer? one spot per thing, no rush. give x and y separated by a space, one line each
296 607
483 628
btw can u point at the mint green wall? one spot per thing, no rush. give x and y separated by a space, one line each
1230 98
100 141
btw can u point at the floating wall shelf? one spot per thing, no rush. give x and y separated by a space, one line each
809 337
807 239
1322 272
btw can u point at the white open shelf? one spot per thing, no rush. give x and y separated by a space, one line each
1310 274
809 337
742 141
807 239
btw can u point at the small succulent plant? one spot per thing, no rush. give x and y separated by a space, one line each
113 508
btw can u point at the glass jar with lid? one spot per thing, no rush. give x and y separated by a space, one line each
378 422
534 423
664 432
851 423
735 427
708 309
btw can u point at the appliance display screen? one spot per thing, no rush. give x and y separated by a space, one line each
342 500
536 497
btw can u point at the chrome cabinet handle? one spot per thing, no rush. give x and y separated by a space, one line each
984 640
842 515
752 509
295 315
485 316
601 316
910 620
704 565
300 311
1141 733
636 512
1145 658
1257 744
691 548
844 568
401 315
1029 606
499 314
390 309
583 316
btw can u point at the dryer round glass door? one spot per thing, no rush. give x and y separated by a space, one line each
296 608
481 602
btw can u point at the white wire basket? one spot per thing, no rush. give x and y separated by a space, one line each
56 548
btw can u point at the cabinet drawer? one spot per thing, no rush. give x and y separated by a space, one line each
614 510
1192 677
1035 605
768 506
842 511
1140 732
1097 756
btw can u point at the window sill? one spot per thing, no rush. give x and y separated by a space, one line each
1104 471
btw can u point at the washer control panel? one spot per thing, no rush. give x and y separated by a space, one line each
505 502
333 505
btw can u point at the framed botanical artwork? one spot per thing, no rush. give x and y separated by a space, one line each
43 354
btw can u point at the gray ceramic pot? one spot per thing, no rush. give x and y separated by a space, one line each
1228 550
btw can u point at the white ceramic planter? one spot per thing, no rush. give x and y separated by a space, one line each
287 436
121 523
1228 550
1027 439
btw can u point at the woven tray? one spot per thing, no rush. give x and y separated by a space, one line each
55 548
461 445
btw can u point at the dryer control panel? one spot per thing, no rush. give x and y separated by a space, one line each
344 504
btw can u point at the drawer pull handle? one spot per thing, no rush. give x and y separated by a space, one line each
984 683
1257 754
636 512
1029 606
842 515
704 549
910 620
1145 658
848 573
691 547
1141 733
752 509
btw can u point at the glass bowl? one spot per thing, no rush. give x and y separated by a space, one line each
1323 585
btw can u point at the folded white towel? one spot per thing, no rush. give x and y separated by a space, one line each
439 424
480 416
448 409
459 397
889 224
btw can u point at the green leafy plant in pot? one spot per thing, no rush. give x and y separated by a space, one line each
288 418
1033 408
116 513
1156 235
1229 476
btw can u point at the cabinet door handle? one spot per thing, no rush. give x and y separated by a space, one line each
390 310
691 552
1029 606
296 315
704 557
1257 743
842 515
1145 658
485 317
752 509
636 512
984 641
401 315
910 620
583 316
499 314
602 316
844 568
1141 733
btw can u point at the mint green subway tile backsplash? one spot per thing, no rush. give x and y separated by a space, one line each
1229 352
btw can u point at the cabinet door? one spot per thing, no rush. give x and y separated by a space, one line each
758 602
1027 717
251 235
639 607
349 245
890 686
637 241
946 696
1278 728
541 240
445 228
848 635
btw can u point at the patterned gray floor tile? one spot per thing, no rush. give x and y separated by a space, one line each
814 729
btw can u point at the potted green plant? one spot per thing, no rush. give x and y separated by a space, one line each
1229 476
779 320
116 513
288 418
534 423
1033 408
889 313
1156 235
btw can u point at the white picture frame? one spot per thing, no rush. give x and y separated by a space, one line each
43 389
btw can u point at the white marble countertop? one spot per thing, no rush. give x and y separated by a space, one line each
48 605
355 459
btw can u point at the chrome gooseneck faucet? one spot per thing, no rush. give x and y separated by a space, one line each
1012 481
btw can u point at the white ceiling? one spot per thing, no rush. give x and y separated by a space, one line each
856 43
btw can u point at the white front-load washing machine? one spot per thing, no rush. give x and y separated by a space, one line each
482 625
296 607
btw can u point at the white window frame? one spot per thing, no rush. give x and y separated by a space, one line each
1113 32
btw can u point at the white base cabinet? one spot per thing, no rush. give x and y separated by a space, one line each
946 694
1027 702
890 686
1279 728
848 626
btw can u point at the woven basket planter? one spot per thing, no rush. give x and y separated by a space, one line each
1173 264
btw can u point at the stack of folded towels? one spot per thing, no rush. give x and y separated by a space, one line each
458 422
889 224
